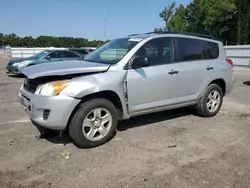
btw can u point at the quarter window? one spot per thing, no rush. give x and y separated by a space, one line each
188 49
210 50
158 51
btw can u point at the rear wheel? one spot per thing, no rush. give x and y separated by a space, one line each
211 102
94 123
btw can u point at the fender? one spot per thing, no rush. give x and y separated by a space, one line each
94 83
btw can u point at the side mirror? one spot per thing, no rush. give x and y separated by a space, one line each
139 62
83 56
47 57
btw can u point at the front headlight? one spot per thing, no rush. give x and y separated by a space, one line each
53 88
15 64
20 63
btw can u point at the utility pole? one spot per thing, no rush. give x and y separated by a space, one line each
105 23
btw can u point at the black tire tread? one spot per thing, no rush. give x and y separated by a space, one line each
75 125
201 109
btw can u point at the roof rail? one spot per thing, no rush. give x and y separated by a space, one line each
184 33
133 35
141 34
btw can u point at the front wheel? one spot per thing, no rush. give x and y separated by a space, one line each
94 123
211 102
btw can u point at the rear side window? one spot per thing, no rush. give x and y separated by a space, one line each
81 51
210 50
188 49
68 54
55 54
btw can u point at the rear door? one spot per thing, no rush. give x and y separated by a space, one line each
55 56
194 70
68 55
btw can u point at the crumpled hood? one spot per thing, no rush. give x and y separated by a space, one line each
63 68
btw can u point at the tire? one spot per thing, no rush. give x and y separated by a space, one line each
205 110
91 112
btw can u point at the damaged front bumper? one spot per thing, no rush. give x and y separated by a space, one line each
49 112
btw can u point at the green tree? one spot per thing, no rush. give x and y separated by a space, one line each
228 20
243 21
177 20
165 15
47 41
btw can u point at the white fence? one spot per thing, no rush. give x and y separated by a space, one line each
27 52
240 55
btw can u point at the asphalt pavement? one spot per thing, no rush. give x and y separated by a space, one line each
168 149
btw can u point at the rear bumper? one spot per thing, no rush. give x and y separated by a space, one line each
229 85
49 112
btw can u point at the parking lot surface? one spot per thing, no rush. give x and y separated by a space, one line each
167 149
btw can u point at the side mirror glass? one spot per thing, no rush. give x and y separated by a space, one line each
47 57
139 62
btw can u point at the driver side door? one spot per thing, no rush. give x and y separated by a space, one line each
154 87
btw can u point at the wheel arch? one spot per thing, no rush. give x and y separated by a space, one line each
110 95
220 82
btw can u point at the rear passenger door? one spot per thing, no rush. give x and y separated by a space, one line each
67 55
194 70
55 56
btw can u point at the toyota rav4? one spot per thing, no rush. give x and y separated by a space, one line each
126 77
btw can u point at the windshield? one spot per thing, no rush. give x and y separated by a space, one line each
41 54
113 51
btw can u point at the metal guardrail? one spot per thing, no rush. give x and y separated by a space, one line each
240 54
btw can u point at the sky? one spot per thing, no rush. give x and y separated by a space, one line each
81 18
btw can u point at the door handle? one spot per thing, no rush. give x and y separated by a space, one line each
209 68
172 72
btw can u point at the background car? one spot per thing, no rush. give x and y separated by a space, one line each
80 50
15 66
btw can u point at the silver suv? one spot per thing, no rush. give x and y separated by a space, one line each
127 77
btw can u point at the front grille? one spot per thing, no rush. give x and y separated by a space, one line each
30 85
46 114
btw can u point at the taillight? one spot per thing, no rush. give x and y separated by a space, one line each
229 61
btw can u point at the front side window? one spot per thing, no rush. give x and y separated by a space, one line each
158 51
113 51
188 49
41 54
